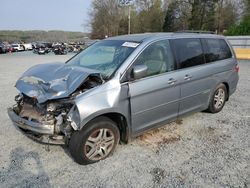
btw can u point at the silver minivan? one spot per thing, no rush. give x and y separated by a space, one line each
120 87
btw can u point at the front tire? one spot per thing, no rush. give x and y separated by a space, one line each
94 142
218 99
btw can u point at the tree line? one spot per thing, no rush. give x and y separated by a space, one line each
109 18
38 35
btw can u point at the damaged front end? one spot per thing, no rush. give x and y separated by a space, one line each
51 117
51 122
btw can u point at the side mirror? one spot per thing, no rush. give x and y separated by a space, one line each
139 71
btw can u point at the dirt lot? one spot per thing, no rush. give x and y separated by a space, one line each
201 150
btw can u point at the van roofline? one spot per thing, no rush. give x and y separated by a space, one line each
140 37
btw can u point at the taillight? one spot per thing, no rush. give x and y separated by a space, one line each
236 68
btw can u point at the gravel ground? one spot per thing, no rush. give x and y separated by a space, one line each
202 150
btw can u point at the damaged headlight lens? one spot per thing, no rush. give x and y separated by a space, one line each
73 117
51 107
19 97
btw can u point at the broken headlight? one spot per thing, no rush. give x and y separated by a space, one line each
73 117
51 107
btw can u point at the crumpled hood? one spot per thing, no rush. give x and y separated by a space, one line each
53 81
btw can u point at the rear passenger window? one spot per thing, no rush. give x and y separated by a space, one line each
189 52
217 50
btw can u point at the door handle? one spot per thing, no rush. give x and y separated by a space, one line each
187 77
171 81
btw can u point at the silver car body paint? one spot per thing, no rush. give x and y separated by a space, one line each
137 101
146 102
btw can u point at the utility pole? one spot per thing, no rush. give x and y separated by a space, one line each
129 19
127 3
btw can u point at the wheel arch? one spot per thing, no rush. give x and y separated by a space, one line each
228 91
213 90
120 120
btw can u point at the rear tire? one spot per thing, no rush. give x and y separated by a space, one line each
95 142
218 99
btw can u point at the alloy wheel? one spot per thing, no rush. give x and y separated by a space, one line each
219 98
99 144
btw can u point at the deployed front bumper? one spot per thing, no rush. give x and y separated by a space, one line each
44 133
30 125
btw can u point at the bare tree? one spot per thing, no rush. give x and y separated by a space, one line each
106 15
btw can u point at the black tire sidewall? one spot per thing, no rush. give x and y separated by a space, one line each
79 138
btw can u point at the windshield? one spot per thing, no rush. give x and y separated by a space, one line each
105 56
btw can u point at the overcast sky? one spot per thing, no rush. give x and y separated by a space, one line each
69 15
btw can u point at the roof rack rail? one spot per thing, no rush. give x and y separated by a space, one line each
196 31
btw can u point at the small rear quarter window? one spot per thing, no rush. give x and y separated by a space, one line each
217 49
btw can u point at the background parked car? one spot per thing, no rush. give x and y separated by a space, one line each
18 47
41 47
3 48
9 48
41 50
27 46
60 50
41 43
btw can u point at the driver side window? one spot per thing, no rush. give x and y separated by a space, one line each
157 57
